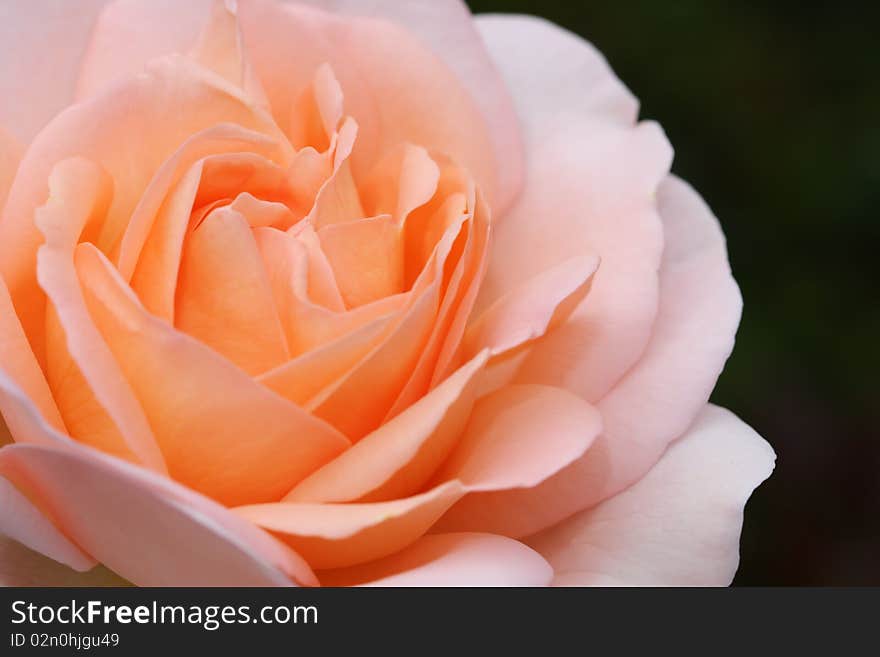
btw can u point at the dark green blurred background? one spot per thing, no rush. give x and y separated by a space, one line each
774 113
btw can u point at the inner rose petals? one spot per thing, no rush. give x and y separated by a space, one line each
395 88
94 398
201 406
398 458
367 258
224 298
17 360
175 99
358 402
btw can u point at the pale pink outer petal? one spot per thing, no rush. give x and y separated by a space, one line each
20 566
22 521
466 559
657 400
41 46
517 437
150 530
130 33
591 178
677 526
448 29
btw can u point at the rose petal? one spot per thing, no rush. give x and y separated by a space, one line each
201 406
451 560
224 298
22 521
41 45
399 457
448 29
517 438
395 88
677 526
175 99
366 257
146 528
130 33
95 400
532 309
359 401
340 535
290 262
18 362
405 179
303 378
657 400
150 250
592 175
258 550
22 567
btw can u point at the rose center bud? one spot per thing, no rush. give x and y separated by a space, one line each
346 296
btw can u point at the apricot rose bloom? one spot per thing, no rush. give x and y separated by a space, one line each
350 292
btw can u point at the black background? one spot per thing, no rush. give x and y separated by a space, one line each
774 113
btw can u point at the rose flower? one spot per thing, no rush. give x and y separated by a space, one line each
348 293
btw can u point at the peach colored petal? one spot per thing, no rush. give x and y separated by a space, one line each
132 32
149 253
394 87
477 264
128 34
174 99
458 298
338 199
24 418
695 493
22 567
24 522
290 263
323 288
224 298
340 535
220 48
41 46
259 212
366 257
657 400
146 528
516 438
17 360
450 560
82 372
448 29
303 378
592 176
201 406
359 401
405 179
399 457
531 310
317 114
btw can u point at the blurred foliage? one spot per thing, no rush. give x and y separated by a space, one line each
774 112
